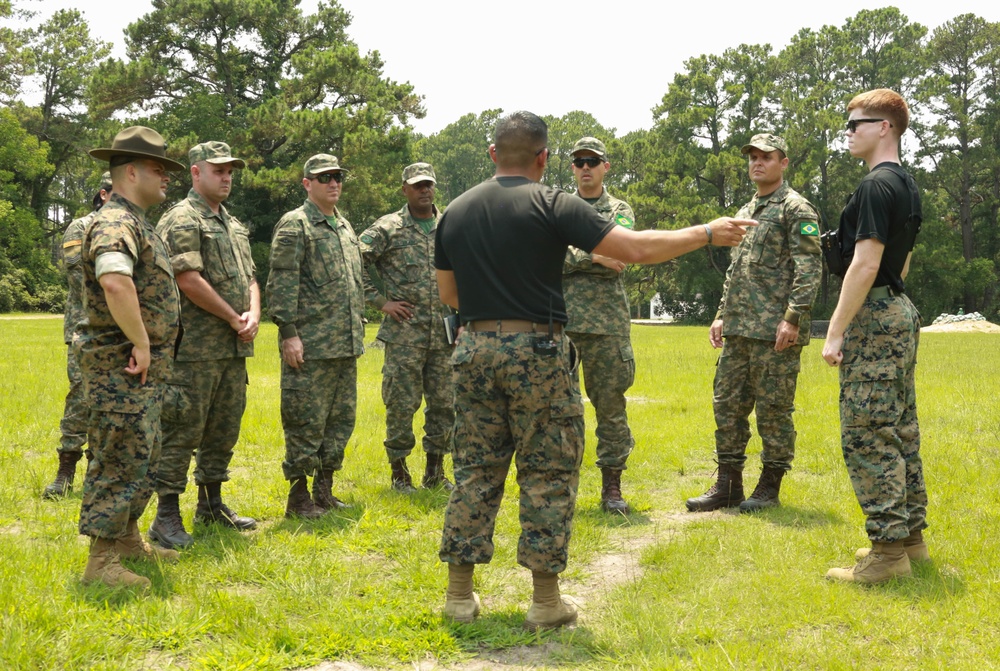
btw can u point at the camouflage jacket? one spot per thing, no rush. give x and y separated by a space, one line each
218 247
596 301
120 226
775 270
72 244
403 256
315 288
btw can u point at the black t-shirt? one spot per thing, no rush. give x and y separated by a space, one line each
880 208
506 239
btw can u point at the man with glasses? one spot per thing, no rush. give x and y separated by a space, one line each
762 324
315 295
125 346
872 338
73 426
599 323
499 252
399 247
220 310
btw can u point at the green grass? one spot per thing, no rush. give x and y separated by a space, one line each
662 589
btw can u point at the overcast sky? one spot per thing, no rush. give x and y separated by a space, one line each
614 59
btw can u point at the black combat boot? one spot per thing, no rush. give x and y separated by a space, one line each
63 484
434 473
727 492
611 491
299 504
765 494
167 529
323 491
211 509
401 481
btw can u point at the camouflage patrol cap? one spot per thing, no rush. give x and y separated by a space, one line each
214 152
590 144
321 163
106 181
418 172
766 142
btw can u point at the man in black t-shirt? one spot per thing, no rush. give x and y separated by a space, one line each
499 253
873 338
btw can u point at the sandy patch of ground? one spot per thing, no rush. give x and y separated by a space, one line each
963 327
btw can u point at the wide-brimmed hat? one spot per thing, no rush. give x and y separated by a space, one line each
419 172
138 142
320 163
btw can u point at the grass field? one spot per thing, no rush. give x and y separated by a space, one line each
660 589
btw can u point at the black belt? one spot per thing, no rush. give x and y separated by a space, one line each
511 326
883 292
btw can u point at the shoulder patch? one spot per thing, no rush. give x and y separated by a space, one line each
809 228
622 220
367 239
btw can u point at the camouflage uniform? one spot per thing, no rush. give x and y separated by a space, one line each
73 425
206 394
599 325
416 352
774 275
498 376
878 416
315 291
124 424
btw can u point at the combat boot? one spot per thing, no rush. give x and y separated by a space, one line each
611 492
63 484
168 528
434 473
211 509
727 492
765 494
299 504
401 481
104 566
549 610
132 546
323 491
884 562
913 545
461 603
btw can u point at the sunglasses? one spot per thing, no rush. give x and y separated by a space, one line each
589 161
852 124
325 177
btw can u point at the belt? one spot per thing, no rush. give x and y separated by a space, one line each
883 292
511 326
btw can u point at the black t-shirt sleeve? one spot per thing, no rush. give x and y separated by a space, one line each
441 260
876 202
578 223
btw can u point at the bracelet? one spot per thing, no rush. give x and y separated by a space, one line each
708 230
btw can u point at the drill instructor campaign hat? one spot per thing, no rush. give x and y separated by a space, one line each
138 142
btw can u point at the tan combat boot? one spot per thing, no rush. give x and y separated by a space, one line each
132 546
914 545
461 603
104 566
884 562
549 610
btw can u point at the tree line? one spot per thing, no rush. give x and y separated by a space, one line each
279 85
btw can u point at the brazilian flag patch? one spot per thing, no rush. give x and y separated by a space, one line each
622 220
809 228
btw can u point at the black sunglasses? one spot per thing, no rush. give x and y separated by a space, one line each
325 177
589 161
852 124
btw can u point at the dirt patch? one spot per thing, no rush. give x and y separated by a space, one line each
963 327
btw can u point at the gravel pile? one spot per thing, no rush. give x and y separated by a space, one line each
945 318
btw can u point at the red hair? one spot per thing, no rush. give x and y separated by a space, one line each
884 103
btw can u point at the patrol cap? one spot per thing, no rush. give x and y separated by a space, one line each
138 142
321 163
590 144
766 142
418 172
214 152
106 180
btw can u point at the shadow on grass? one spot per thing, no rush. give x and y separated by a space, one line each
100 595
929 582
332 521
792 516
601 518
501 638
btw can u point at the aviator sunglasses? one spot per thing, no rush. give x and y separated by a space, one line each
589 161
324 178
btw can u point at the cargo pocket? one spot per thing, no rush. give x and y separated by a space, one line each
870 394
566 429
